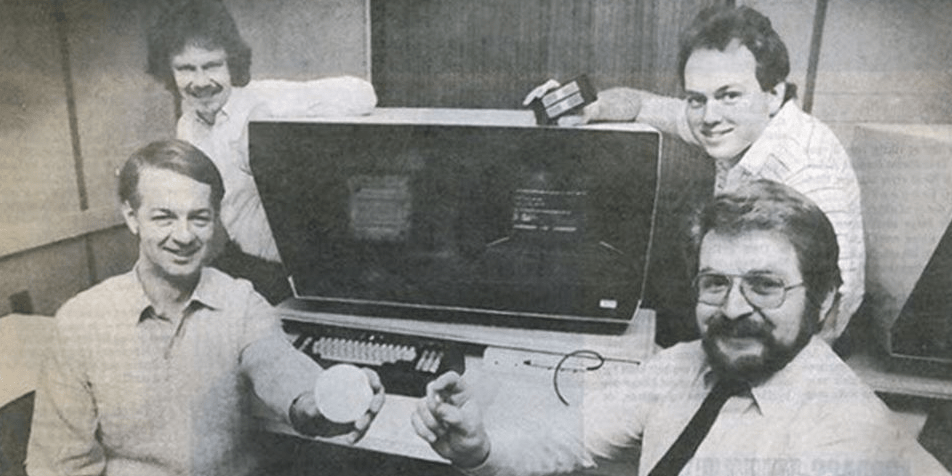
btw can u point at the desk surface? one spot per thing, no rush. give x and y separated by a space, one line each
506 389
506 384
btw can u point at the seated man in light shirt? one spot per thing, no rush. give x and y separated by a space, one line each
758 394
195 49
153 372
740 109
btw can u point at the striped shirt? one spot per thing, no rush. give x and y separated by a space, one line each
801 152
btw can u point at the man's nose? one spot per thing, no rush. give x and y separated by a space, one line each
182 232
712 112
735 304
200 78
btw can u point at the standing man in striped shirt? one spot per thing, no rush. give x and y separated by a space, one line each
740 108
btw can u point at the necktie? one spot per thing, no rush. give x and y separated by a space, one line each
690 438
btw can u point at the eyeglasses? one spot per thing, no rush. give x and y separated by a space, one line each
762 291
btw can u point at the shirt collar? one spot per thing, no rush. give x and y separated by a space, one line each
785 390
206 294
226 111
221 118
755 158
209 292
135 294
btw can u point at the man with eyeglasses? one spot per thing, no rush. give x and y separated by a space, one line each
741 109
760 393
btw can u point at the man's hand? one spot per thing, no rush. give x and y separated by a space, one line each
612 105
540 91
588 113
450 421
307 419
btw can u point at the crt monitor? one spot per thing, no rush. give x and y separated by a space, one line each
501 225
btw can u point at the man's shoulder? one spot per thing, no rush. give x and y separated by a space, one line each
110 286
798 148
828 381
223 290
218 279
792 116
807 137
99 298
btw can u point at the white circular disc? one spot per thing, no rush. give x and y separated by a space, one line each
343 393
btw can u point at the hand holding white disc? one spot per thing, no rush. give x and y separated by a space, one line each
343 393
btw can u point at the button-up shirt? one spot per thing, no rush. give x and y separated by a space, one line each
125 391
813 417
226 143
799 151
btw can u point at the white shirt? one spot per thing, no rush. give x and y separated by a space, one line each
226 143
126 392
813 417
801 152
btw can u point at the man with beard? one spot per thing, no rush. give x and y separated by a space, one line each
759 393
739 107
195 49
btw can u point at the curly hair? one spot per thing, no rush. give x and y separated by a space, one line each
203 23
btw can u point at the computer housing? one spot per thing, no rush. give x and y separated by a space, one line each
462 216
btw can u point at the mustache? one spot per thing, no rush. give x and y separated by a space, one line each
202 92
720 326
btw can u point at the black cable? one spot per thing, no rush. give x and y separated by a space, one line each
558 368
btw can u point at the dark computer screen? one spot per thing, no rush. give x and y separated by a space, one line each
512 226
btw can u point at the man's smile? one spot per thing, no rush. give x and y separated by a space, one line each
714 134
183 254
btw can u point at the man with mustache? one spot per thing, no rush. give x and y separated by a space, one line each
195 49
740 108
759 393
153 372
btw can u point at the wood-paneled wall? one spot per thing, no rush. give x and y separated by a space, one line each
490 53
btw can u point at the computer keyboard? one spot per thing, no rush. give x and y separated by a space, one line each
405 363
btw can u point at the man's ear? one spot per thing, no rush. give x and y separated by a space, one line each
829 303
129 215
775 97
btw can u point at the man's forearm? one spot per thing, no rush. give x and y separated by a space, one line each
278 372
337 96
628 104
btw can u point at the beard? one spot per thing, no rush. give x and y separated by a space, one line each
774 356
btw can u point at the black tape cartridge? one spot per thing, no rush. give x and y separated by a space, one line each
566 99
